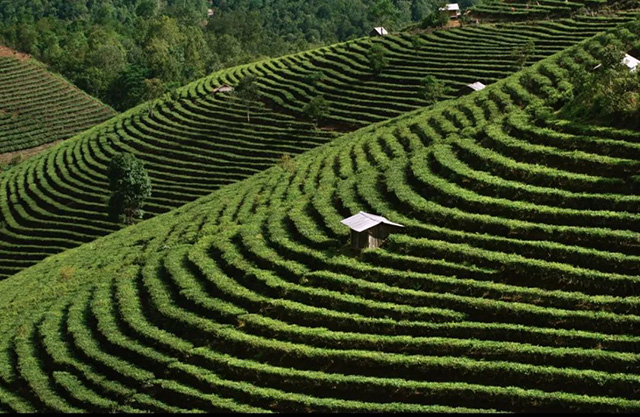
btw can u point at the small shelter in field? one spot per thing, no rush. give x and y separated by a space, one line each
452 9
378 31
369 230
224 88
631 62
477 86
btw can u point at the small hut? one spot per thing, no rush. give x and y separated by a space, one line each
452 9
378 31
224 88
477 86
631 62
369 230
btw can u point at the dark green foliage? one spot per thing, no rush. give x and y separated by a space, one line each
316 109
248 92
435 19
432 89
521 54
377 56
130 186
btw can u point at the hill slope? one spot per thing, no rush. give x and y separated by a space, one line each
38 107
510 289
198 143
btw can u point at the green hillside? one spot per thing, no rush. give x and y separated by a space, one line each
540 9
512 287
198 143
38 107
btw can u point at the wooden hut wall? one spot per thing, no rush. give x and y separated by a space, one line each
359 240
377 235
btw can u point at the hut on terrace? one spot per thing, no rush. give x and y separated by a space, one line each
224 88
452 9
378 31
369 230
631 62
477 86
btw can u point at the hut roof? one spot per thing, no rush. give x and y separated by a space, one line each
380 30
224 88
477 86
631 62
363 221
450 7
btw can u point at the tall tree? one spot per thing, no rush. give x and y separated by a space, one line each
155 88
316 109
521 54
130 186
377 56
248 92
431 89
383 12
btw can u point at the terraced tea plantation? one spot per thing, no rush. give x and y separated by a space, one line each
201 142
512 288
38 107
540 9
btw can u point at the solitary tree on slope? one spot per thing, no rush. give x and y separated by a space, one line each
130 186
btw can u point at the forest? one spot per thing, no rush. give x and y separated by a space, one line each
109 48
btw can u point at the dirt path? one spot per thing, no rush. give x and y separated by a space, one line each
5 158
4 51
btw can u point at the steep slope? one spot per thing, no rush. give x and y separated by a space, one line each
512 287
199 142
38 107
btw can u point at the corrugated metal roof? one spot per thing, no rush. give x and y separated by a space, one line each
224 88
631 62
363 221
450 6
381 30
477 86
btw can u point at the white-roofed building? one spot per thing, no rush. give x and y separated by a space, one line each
477 86
631 62
378 31
369 230
452 9
224 88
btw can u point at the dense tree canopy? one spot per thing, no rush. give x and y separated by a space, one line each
110 47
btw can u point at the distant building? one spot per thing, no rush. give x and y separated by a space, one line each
477 86
379 31
369 230
631 62
224 88
452 9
